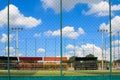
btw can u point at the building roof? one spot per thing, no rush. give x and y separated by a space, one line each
30 58
21 58
54 58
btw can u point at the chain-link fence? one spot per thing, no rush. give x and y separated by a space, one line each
47 41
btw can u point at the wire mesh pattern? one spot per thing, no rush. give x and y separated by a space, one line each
35 37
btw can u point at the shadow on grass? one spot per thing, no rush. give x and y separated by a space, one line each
17 72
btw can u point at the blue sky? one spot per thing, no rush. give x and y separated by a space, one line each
40 21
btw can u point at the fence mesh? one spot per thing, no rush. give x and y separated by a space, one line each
35 37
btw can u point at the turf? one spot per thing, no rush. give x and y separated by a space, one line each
57 73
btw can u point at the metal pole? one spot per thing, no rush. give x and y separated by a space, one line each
118 47
114 52
105 55
17 44
61 39
110 28
17 40
8 42
102 48
102 51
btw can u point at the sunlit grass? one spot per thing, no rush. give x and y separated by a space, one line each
57 73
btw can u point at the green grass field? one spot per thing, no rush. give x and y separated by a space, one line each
57 73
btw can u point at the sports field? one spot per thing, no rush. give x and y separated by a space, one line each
57 73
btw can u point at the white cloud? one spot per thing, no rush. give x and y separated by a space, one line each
70 47
84 50
66 4
37 35
88 48
116 42
11 49
48 33
101 9
54 4
115 22
67 31
116 7
80 31
41 50
98 7
17 18
13 55
115 52
5 38
104 26
21 55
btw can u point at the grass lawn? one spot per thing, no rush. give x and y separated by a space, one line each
57 73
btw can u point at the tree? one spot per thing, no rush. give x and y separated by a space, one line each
90 55
71 59
118 61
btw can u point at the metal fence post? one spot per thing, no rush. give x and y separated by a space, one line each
118 47
110 40
8 40
61 39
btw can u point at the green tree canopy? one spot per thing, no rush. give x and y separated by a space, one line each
90 55
118 61
71 59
